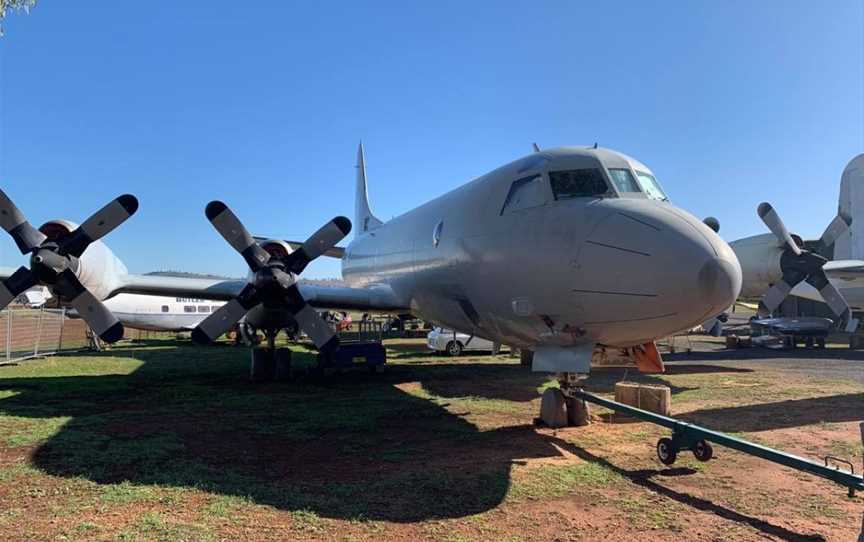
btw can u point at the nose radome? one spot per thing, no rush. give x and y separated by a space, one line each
719 278
719 283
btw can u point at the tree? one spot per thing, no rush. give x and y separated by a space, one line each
14 5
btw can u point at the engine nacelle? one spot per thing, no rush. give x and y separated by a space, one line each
759 257
99 270
277 248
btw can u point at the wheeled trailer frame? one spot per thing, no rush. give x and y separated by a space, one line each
687 436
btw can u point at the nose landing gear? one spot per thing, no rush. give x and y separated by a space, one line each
270 363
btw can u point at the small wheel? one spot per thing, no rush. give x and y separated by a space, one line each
703 451
454 348
666 452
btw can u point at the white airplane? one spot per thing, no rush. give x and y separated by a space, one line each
830 269
555 252
160 313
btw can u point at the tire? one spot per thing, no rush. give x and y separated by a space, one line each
666 452
454 348
703 451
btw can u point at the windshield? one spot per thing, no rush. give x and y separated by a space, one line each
623 180
650 187
577 183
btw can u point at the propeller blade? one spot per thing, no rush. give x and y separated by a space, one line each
311 322
829 293
221 321
318 243
20 281
775 295
835 229
13 221
98 317
771 219
834 299
99 224
233 231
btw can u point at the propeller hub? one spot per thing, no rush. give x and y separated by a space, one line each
807 262
47 264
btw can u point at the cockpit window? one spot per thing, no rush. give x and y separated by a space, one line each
650 186
624 180
525 193
577 183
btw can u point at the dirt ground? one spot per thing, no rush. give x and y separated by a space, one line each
166 441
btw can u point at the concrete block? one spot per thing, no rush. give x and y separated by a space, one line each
553 409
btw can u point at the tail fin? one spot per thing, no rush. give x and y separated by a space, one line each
850 246
364 220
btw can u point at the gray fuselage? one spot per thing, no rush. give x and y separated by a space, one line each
617 268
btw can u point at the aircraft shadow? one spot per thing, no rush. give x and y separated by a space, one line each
781 414
356 447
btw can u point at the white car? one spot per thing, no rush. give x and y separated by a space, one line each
443 340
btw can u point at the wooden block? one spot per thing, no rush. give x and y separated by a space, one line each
652 398
731 341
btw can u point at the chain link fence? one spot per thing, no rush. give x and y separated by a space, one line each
27 333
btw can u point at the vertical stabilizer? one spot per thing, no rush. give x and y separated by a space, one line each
850 245
364 220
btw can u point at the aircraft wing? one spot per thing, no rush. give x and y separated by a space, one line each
375 298
324 297
333 252
846 270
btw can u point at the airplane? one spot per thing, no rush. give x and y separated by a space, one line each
829 269
553 253
160 313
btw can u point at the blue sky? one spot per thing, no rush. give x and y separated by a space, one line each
262 105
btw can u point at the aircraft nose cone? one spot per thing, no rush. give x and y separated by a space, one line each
719 283
650 270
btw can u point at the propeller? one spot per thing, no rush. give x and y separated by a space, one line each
799 264
54 263
274 279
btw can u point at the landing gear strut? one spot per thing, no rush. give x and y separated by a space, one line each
269 362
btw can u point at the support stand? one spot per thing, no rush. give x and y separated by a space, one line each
560 407
270 363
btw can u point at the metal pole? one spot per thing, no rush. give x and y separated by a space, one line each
852 481
62 323
8 334
38 331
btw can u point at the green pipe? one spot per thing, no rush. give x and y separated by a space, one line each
852 481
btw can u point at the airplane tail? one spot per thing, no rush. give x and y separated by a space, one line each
850 245
364 220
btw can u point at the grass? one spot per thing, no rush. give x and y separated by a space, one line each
550 481
155 527
165 441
